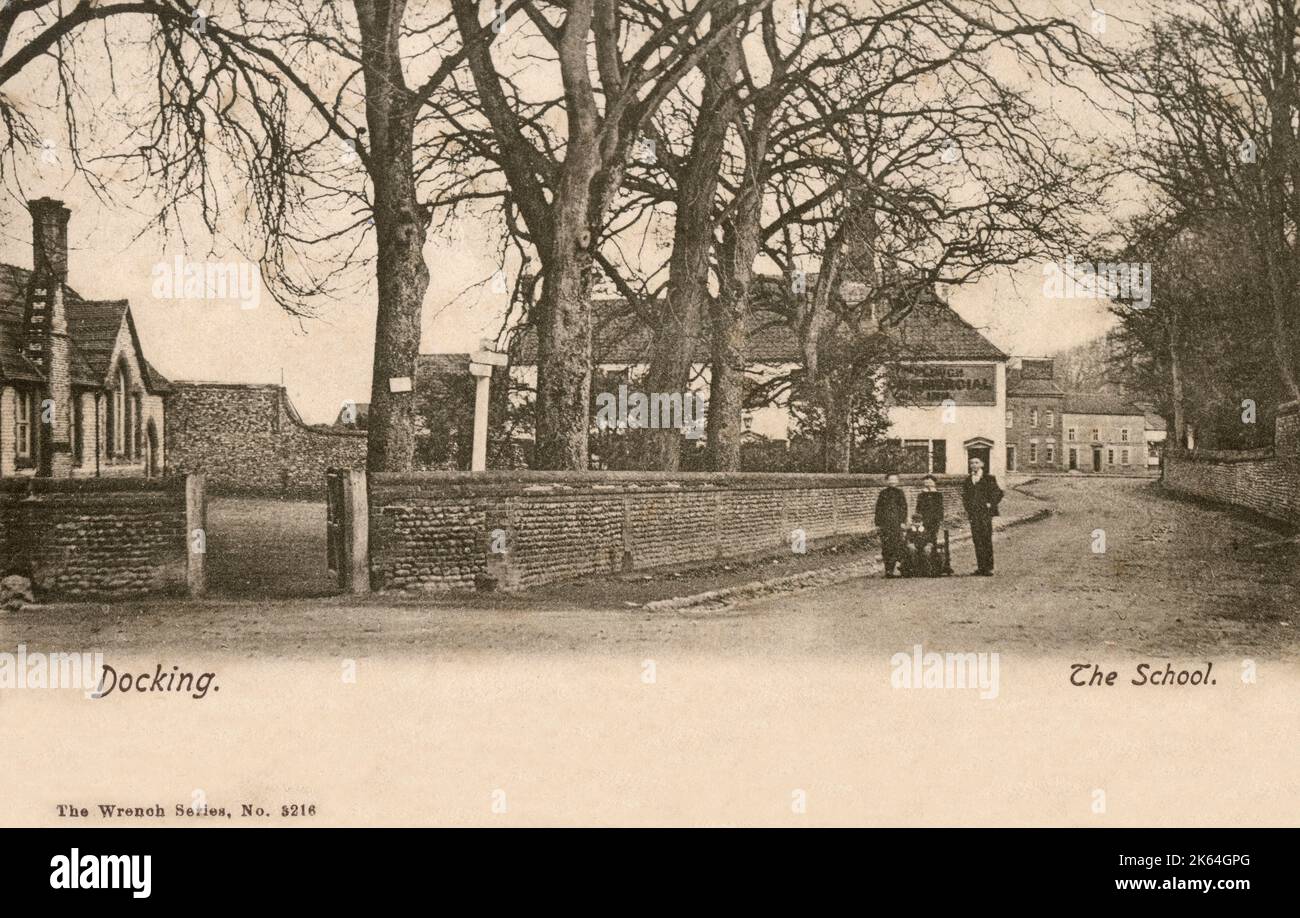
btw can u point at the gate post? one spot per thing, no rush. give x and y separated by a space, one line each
356 532
196 535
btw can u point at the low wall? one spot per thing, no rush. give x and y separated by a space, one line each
249 439
99 537
1266 481
509 530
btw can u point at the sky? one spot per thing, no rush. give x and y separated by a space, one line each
326 359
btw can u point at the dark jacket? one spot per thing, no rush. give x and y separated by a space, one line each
982 499
891 509
929 504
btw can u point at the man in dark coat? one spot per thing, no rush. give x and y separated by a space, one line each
891 517
980 496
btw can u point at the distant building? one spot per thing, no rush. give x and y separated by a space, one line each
1050 429
1034 417
1104 433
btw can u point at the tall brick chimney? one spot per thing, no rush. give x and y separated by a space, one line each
46 329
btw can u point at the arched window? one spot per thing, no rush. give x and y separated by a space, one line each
137 426
119 417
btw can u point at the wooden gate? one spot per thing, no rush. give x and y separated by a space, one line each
347 524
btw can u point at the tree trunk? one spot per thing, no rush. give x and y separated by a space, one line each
727 321
563 365
1176 387
727 380
400 226
682 312
730 311
680 315
838 410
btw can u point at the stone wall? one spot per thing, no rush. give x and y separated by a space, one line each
510 530
95 538
248 439
1266 481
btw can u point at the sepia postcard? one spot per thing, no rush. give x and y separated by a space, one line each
650 413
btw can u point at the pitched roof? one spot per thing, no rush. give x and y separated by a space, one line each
931 330
1100 403
93 327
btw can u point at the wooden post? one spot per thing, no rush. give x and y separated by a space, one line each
196 535
482 382
356 531
481 363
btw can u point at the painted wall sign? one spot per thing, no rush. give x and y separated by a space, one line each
935 383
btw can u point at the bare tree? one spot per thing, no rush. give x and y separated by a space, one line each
906 155
564 182
1218 117
302 115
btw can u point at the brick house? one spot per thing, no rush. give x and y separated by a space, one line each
1035 409
1104 433
77 396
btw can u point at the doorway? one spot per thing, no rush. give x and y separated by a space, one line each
1074 460
151 464
1011 458
1096 458
980 448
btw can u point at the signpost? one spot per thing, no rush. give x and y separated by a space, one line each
481 363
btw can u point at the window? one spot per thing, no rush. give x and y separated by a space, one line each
119 418
1096 433
1051 418
938 456
137 428
1123 434
916 456
23 423
78 428
1033 417
1110 457
1123 457
1153 451
747 421
1050 451
1070 435
1011 419
1033 452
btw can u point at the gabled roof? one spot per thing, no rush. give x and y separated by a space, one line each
93 327
931 330
1100 403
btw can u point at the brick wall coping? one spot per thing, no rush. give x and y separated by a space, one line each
542 482
33 486
1223 455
